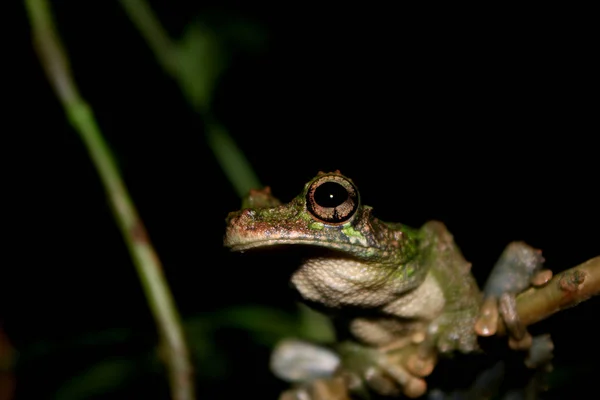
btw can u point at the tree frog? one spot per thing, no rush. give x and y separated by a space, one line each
397 296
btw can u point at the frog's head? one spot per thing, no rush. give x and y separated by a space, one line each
327 213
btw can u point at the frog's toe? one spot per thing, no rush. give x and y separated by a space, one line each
401 371
505 308
420 365
519 338
487 321
540 352
387 379
388 372
381 383
410 385
320 389
541 277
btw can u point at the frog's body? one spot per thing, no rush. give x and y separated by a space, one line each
397 300
388 286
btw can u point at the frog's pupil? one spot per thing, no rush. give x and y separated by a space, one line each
330 194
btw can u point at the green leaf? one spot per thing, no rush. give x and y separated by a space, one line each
201 60
99 378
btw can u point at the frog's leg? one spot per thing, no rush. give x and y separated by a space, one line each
451 329
519 267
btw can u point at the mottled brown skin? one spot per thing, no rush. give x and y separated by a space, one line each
398 295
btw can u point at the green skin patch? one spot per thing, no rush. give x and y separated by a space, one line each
316 225
306 217
349 231
405 272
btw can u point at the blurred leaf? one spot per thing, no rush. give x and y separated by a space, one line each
233 161
562 376
49 348
266 325
210 359
201 61
315 326
100 378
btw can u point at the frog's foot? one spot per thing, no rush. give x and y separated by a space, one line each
540 353
541 277
519 268
518 336
505 308
396 369
453 331
487 321
539 348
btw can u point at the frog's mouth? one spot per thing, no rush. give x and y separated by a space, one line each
284 242
307 247
297 249
365 241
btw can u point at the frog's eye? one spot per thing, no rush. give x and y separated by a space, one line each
332 199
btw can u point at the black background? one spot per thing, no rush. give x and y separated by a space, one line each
483 119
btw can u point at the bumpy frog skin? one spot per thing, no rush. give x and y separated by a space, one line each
398 296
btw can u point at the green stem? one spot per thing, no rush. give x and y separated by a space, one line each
232 160
144 19
56 64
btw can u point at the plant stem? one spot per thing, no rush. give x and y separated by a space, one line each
56 64
144 19
232 160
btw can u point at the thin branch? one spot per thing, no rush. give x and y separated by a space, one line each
564 290
56 64
149 26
